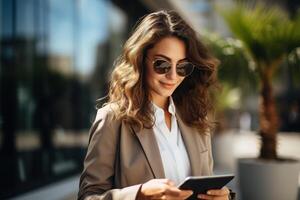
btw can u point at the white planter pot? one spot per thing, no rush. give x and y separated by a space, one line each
268 180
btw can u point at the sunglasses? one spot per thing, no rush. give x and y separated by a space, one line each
184 68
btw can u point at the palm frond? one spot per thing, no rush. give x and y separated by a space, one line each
267 32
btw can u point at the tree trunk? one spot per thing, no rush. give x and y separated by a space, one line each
268 118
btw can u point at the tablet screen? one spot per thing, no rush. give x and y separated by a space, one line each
201 184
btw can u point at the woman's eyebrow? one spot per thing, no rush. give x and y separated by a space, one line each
167 58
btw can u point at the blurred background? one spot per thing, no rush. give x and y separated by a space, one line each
55 58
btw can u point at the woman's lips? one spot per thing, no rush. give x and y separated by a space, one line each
168 85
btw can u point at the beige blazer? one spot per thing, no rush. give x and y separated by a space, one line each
120 158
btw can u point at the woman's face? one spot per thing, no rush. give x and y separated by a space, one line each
162 86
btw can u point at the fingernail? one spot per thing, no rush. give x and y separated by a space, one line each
209 192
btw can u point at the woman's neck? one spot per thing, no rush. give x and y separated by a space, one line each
163 103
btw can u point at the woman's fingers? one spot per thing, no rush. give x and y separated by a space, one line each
221 192
174 193
162 189
183 194
155 187
165 181
209 197
165 192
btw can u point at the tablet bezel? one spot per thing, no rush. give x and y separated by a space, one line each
214 182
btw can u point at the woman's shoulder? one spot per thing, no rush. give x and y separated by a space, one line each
107 112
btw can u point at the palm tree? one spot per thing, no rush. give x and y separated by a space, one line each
268 35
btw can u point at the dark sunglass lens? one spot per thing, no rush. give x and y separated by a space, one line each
161 66
185 69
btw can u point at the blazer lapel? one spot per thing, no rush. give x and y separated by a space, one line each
151 150
193 144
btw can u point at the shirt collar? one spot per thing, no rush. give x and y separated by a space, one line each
159 112
171 107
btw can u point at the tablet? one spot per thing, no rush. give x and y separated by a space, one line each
201 184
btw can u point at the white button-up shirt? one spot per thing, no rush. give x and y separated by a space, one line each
172 149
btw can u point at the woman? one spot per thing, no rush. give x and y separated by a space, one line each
154 130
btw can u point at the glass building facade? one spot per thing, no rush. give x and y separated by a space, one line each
54 60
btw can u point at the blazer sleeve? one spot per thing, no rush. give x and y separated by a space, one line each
97 178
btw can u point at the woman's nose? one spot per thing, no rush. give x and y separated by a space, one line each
172 74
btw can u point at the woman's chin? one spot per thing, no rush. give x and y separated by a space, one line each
166 93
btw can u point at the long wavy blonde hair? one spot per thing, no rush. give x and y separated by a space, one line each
128 89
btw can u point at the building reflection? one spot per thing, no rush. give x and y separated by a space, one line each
55 56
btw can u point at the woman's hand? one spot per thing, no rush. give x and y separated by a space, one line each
162 189
222 194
